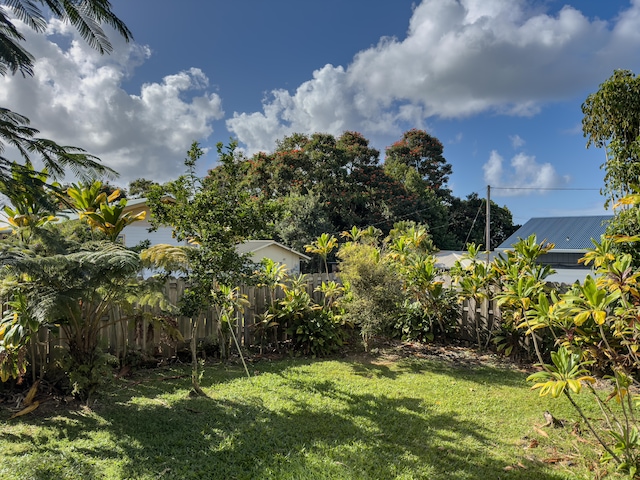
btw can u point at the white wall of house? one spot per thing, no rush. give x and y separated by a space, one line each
139 231
280 255
135 233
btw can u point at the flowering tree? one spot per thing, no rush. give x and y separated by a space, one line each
417 161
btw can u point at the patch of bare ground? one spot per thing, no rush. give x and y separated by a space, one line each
457 355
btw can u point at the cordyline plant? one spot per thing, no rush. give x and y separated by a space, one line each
592 327
103 213
595 326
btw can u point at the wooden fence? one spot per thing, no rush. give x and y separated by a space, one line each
119 338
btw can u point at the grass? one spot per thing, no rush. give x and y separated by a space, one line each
298 419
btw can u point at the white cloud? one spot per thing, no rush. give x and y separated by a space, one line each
516 141
76 98
459 58
327 103
523 176
457 139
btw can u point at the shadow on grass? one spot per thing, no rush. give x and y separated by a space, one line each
486 375
328 432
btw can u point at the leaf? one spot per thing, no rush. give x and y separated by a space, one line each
541 432
581 318
24 411
599 316
574 385
626 238
32 393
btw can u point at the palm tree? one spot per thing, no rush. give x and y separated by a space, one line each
323 246
87 16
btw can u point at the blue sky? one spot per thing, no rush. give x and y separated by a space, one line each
499 82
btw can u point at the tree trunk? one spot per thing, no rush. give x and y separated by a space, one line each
195 374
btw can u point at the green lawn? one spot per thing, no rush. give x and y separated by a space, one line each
300 419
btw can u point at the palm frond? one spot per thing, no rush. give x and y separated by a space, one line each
168 257
108 258
15 130
87 16
28 12
13 57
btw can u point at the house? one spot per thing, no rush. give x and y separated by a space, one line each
259 249
446 259
572 238
138 231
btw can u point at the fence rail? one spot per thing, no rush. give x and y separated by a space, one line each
476 321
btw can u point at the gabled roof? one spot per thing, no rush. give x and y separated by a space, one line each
446 259
253 246
569 234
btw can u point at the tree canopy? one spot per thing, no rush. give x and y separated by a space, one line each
417 160
612 121
342 175
467 222
325 184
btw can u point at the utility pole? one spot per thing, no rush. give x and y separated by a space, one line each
487 227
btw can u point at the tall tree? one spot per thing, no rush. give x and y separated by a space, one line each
417 161
343 174
302 218
140 186
87 16
612 121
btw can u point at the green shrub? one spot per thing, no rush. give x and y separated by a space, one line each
437 317
376 288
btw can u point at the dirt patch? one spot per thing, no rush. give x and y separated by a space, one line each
388 352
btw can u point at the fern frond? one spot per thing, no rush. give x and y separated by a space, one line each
168 257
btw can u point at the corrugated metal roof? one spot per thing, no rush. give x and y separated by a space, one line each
567 233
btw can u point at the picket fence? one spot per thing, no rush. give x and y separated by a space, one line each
120 338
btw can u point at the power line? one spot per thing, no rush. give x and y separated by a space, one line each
542 188
474 222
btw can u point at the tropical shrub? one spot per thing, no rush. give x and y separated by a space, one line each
424 321
396 290
376 289
313 329
70 286
593 326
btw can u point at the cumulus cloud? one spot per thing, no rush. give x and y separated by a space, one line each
76 98
523 176
459 58
516 141
327 103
